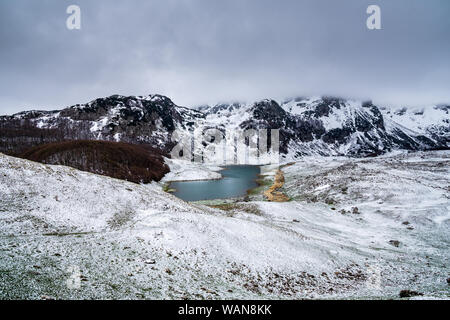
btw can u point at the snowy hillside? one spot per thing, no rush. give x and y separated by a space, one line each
433 121
124 240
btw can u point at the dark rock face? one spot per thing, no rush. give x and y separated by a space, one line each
409 294
336 135
268 114
394 243
324 108
368 121
221 107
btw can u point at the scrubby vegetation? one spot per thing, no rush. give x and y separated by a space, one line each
233 208
19 135
136 163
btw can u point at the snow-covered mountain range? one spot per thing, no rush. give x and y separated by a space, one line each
314 125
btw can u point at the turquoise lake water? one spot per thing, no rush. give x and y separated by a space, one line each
236 181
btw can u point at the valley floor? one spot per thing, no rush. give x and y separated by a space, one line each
353 228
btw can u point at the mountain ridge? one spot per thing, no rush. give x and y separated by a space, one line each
308 125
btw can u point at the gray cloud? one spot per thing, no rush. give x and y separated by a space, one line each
203 51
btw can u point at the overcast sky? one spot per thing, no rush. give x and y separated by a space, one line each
205 51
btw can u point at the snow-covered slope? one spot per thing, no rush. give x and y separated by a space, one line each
71 234
183 170
433 121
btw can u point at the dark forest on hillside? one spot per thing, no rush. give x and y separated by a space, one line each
136 163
